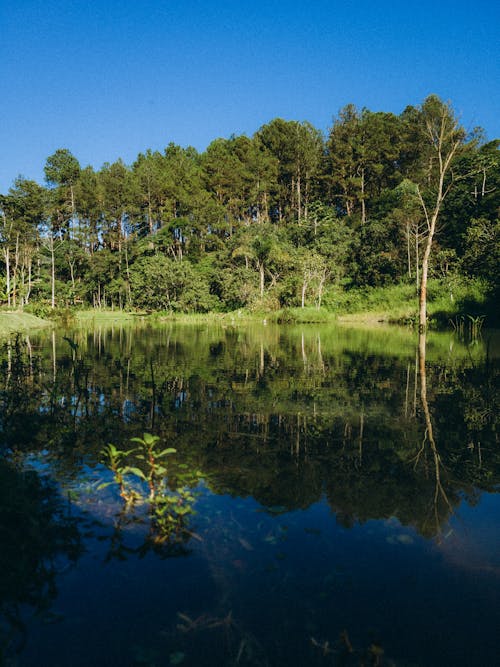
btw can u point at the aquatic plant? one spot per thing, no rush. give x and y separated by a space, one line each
468 327
153 461
168 508
114 459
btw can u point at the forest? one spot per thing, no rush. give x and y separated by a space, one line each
288 218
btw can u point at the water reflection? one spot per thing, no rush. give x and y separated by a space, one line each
279 417
389 435
441 504
40 538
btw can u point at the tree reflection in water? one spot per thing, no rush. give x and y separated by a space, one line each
275 414
282 418
39 538
440 495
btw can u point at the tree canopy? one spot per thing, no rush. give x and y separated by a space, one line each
281 218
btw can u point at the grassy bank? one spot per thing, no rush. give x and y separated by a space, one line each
448 300
11 322
451 301
106 316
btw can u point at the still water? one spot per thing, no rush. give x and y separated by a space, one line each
332 498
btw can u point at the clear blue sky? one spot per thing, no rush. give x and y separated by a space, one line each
109 79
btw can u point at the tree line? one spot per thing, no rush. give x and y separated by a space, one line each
287 217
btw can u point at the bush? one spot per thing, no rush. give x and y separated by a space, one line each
161 283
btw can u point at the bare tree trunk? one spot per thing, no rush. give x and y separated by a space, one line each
7 273
265 213
120 233
299 199
72 272
129 291
28 293
408 252
422 317
150 214
363 203
321 285
261 272
440 139
417 267
15 272
304 288
52 273
73 211
348 205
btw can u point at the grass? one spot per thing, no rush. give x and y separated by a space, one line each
98 316
394 303
447 299
232 318
17 321
306 315
368 306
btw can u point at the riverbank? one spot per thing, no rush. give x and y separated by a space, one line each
95 316
452 305
17 321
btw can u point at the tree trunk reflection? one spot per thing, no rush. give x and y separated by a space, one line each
439 491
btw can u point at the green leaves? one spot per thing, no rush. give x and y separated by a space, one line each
112 455
62 168
135 471
142 236
169 450
167 509
147 439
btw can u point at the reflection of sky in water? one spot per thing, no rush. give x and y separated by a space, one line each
287 580
472 541
264 582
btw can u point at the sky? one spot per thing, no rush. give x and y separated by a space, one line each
110 79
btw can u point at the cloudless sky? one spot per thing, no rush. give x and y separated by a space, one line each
111 78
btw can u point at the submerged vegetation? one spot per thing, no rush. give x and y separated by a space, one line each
284 221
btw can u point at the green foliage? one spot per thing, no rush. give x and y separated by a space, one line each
367 299
146 463
271 221
458 296
448 298
482 250
161 283
62 168
302 315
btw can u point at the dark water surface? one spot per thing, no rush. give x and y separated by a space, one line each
333 498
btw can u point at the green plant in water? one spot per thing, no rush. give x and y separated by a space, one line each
113 458
168 509
476 324
470 327
169 513
153 462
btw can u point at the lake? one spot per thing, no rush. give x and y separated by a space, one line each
249 495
